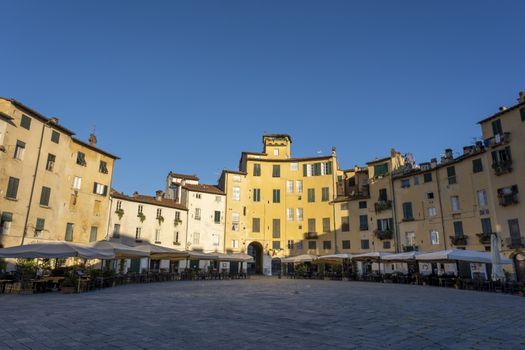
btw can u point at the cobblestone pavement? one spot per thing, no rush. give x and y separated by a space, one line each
263 313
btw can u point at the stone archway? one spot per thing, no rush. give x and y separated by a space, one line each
255 249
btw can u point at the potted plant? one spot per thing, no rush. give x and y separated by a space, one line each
160 219
120 213
68 285
141 216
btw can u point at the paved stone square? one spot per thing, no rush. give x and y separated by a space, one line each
264 313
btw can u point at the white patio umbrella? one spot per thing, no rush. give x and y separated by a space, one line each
371 256
406 256
299 258
120 251
461 255
497 267
160 253
336 257
240 257
55 250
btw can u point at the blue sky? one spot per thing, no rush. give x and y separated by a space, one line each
187 85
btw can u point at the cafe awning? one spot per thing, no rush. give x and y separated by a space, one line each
460 255
121 251
335 257
55 250
406 256
299 258
370 256
241 257
159 252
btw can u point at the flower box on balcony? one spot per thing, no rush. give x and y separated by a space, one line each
484 238
459 240
384 234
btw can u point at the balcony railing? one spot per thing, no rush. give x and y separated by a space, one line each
502 167
410 248
498 139
382 205
484 238
508 199
359 195
410 218
515 242
310 235
458 240
384 234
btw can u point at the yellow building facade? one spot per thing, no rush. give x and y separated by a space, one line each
52 185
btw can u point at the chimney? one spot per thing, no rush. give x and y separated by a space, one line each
333 151
521 98
54 120
92 139
135 194
468 149
393 152
159 195
433 163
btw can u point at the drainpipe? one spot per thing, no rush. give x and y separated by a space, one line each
334 191
394 214
34 181
441 210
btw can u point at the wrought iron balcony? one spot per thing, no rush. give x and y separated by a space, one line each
502 167
410 248
382 205
458 240
508 199
484 238
498 139
515 242
310 235
384 234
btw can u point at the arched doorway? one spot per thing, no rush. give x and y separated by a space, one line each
255 249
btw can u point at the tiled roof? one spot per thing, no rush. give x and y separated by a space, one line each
164 202
502 112
204 188
94 148
184 176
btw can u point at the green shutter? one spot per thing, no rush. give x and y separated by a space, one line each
305 170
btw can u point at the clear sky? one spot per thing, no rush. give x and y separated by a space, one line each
187 85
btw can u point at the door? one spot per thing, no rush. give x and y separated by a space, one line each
514 229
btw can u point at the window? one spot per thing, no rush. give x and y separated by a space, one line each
289 186
454 203
325 194
196 238
256 169
140 209
103 167
431 212
96 207
50 164
483 201
410 239
405 183
93 234
363 222
311 225
327 245
294 166
198 195
299 186
39 226
326 224
197 213
276 245
385 224
290 244
277 196
298 245
451 174
382 194
256 225
5 222
176 237
427 177
69 232
81 159
477 165
312 244
387 244
311 195
317 169
276 170
458 229
119 205
496 127
346 244
430 195
276 228
416 180
289 214
44 196
299 214
407 211
77 183
177 216
362 205
12 187
345 224
55 136
236 193
100 189
275 151
25 122
157 235
19 150
365 244
434 237
486 226
235 221
380 169
218 199
256 194
116 231
522 113
235 244
344 206
217 217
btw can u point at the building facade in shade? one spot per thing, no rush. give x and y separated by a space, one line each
277 205
206 208
52 185
139 219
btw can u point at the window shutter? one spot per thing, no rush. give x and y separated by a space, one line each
94 187
105 190
305 170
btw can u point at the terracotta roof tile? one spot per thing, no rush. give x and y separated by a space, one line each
204 188
164 202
